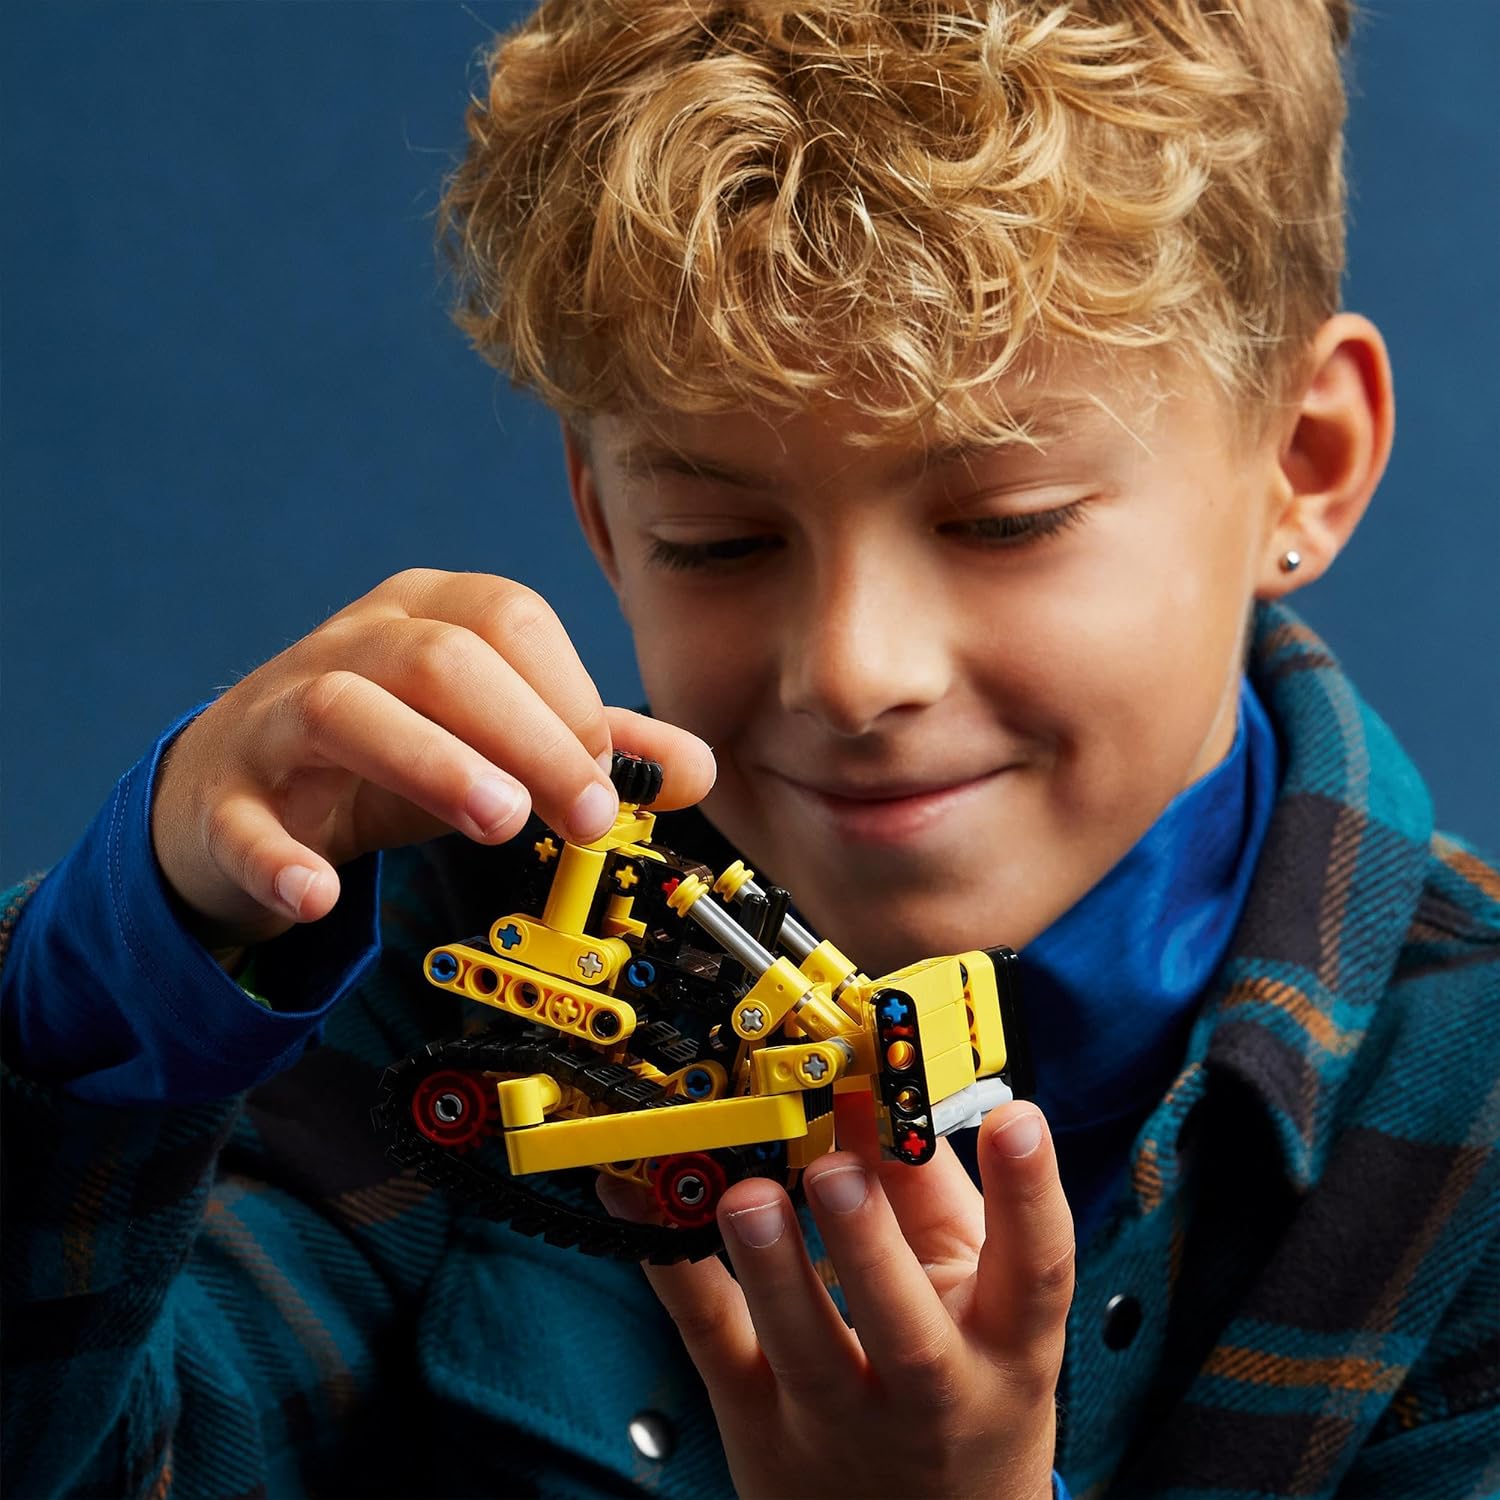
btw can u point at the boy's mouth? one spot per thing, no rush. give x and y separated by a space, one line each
886 812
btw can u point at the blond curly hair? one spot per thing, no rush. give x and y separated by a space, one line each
708 205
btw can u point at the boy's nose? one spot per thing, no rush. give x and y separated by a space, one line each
861 646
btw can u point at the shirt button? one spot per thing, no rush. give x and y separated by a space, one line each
652 1436
1122 1320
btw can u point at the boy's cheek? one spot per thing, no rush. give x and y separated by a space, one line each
697 680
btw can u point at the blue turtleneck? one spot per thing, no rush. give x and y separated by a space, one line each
1110 989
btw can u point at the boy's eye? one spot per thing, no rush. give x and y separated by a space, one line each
719 553
1013 530
983 531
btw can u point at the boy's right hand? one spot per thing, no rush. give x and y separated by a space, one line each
437 701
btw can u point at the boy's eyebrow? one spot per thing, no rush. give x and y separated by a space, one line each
644 459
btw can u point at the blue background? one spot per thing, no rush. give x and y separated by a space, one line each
230 399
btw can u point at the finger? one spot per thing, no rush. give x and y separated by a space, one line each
804 1340
700 1298
939 1209
709 1310
905 1330
253 851
452 676
518 624
687 763
378 819
1024 1281
343 719
489 659
514 622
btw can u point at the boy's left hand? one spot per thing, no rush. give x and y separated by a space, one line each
945 1384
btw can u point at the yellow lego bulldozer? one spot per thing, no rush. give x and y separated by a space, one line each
679 1030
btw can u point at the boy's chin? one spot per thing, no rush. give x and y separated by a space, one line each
883 929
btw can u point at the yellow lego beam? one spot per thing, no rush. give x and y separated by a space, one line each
655 1132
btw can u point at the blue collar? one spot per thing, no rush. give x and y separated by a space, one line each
1110 988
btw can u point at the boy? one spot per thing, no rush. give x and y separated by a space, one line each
944 388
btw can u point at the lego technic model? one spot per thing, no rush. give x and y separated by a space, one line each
679 1030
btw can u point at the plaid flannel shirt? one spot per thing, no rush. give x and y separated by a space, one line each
1298 1295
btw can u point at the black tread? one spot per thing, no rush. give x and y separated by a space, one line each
498 1196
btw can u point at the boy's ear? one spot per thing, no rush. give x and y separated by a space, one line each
584 487
1332 454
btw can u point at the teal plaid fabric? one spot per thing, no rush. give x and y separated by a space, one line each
1299 1295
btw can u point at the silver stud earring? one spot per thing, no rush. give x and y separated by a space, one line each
1290 561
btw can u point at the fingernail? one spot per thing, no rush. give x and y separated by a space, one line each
292 886
593 814
841 1189
491 802
759 1227
1021 1137
605 760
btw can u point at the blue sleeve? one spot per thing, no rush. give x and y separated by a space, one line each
106 993
1060 1490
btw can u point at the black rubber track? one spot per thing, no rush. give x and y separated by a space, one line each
508 1199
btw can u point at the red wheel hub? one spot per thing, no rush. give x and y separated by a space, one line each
688 1188
453 1108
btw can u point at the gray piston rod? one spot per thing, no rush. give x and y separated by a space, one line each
730 936
796 939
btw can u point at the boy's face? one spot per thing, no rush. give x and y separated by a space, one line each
946 693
